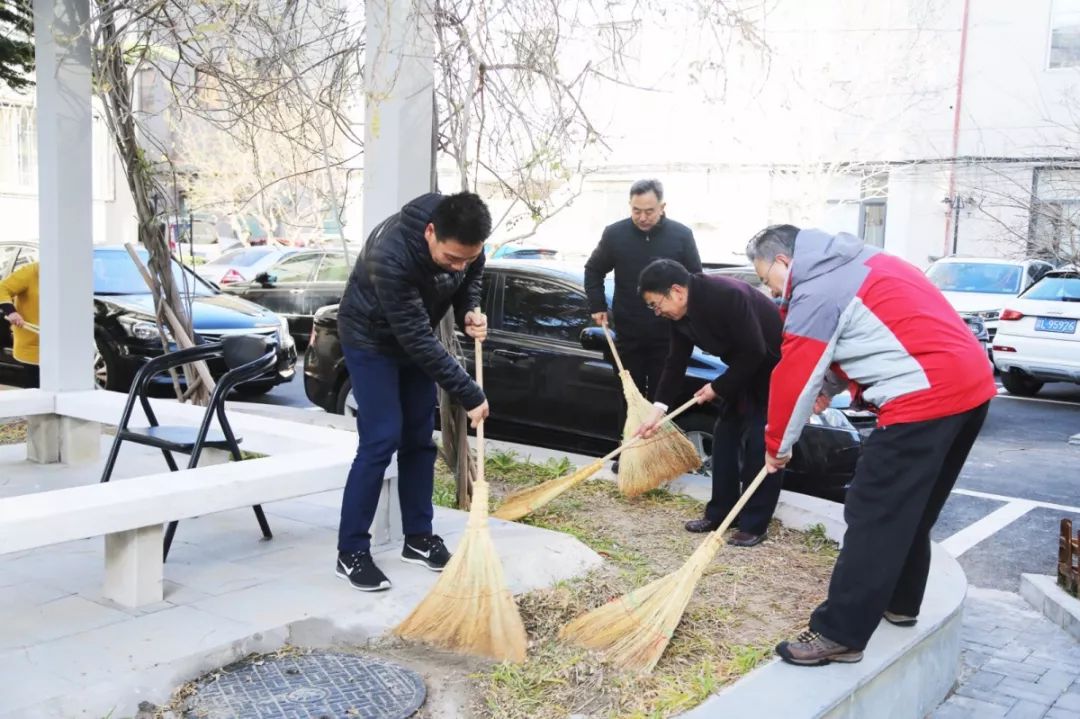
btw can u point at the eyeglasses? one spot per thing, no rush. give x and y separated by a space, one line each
765 278
654 306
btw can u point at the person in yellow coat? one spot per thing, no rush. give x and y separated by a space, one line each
20 306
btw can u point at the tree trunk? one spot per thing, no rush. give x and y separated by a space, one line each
454 423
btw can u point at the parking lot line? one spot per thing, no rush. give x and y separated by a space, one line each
1003 498
1004 394
986 527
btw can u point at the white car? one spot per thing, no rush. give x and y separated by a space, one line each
1038 340
241 265
983 287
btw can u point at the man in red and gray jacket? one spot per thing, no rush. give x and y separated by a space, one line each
856 316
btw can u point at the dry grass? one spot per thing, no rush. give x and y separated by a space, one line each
747 600
12 431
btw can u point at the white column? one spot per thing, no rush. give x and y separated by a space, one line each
133 573
65 191
399 82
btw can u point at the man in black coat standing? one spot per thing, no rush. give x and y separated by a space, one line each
733 321
415 266
626 247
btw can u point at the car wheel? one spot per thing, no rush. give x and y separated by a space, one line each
699 430
107 372
1021 385
344 403
254 389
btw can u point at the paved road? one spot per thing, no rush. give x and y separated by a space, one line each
1022 478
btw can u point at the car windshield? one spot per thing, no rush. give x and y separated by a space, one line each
984 277
1058 288
116 274
245 257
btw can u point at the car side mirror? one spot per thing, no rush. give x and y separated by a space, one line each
592 338
265 279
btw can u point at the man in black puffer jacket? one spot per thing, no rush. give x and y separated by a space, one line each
414 266
627 247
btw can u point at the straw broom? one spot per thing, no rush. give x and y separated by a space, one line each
470 610
647 466
526 501
633 631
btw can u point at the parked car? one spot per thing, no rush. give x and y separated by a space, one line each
982 286
124 330
522 250
298 284
552 384
241 264
1037 340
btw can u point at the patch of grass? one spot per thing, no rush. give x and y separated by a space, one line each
13 432
816 540
445 494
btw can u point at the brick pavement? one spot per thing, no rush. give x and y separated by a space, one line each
1016 664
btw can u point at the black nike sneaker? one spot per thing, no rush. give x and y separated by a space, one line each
427 550
360 571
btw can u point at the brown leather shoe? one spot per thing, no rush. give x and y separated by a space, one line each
701 525
810 649
745 539
900 620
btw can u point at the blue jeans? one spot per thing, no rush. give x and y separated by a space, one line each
395 412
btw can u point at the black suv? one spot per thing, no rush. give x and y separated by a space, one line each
551 382
124 329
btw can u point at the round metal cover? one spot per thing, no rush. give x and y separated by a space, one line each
311 686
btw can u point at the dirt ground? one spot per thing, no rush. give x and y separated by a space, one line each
12 431
748 600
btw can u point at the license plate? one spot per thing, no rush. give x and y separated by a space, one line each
1052 324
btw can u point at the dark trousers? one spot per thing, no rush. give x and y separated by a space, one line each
395 402
738 455
903 477
645 362
31 375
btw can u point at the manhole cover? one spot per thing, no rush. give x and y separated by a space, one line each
312 686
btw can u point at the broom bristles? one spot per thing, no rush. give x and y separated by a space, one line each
633 630
526 501
470 609
667 455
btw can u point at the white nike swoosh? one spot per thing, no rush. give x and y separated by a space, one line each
425 555
346 567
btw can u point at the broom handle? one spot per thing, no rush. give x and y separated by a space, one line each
709 546
479 352
634 441
611 344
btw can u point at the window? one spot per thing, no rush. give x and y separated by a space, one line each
984 277
116 274
296 269
7 256
18 147
1065 34
1057 288
26 256
333 268
1054 230
544 309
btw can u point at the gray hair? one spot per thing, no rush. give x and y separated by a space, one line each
772 241
643 186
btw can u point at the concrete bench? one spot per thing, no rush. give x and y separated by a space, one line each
130 513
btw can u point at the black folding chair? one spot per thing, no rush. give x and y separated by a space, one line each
247 357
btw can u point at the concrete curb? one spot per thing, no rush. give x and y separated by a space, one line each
1042 592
